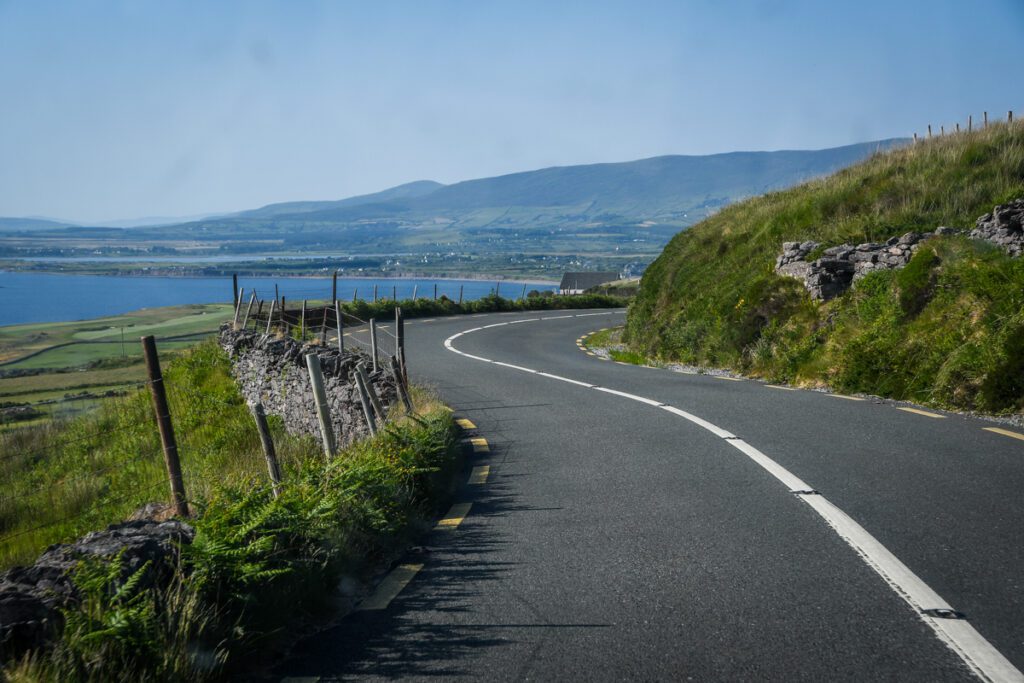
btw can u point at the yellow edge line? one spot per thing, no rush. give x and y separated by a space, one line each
479 475
848 398
730 379
1005 432
390 587
454 517
464 423
776 386
920 412
479 445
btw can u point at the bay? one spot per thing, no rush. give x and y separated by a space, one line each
50 297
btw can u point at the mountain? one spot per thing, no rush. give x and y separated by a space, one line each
946 329
407 191
633 206
30 224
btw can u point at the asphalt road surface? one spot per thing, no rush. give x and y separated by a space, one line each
642 524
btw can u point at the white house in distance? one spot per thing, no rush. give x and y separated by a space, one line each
577 283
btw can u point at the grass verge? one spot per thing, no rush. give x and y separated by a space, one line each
256 564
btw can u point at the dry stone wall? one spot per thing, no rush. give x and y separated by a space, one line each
272 370
839 267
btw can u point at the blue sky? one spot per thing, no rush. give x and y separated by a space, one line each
125 109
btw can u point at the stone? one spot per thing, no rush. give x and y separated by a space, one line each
1003 226
842 265
273 370
31 597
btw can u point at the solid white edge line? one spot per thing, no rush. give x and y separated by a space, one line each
566 379
514 367
983 659
632 397
528 320
485 327
788 479
556 317
717 431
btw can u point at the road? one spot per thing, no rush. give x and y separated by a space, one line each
638 523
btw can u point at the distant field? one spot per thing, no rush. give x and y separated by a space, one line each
18 341
67 358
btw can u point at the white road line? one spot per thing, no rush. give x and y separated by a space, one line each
556 317
566 379
981 657
493 325
632 397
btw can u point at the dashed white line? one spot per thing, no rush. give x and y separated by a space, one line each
984 660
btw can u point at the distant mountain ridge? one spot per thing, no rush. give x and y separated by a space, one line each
631 207
663 189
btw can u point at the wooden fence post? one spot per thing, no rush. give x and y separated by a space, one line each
523 296
929 131
378 407
234 289
323 328
259 311
334 286
373 342
1009 116
270 317
355 293
375 294
268 446
364 399
323 411
302 322
985 124
400 344
248 309
163 422
238 308
415 289
277 296
394 292
341 327
400 385
435 291
970 122
460 295
497 289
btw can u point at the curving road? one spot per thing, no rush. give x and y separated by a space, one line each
623 522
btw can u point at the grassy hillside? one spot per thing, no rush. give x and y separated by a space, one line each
947 330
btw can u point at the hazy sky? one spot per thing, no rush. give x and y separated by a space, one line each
124 109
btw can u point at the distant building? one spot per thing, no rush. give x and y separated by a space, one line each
577 283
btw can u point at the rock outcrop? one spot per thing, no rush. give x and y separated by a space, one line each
839 267
1003 226
31 597
272 370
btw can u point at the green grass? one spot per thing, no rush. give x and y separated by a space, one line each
71 381
19 340
948 330
257 563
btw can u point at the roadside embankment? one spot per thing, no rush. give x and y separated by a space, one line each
888 282
206 597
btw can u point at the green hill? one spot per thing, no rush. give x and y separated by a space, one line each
634 206
947 330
